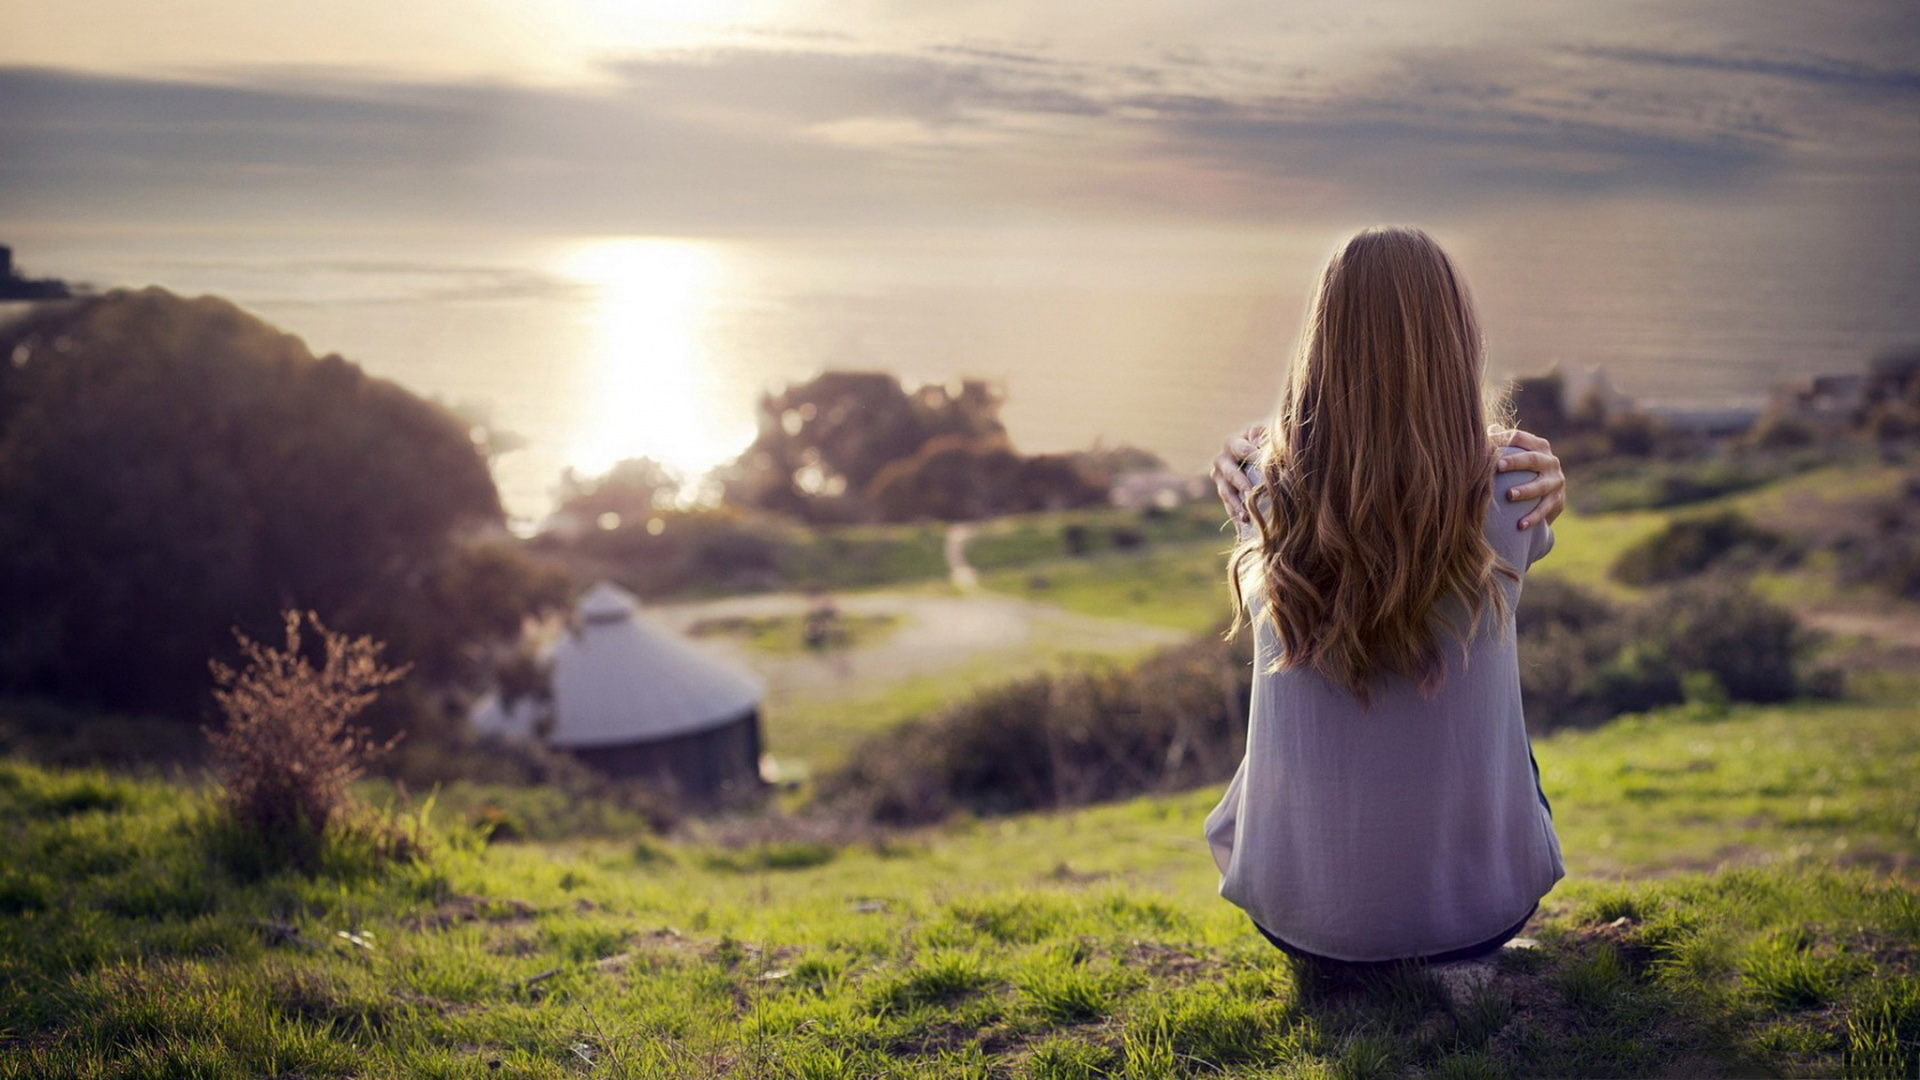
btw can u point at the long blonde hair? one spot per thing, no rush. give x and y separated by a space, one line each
1376 474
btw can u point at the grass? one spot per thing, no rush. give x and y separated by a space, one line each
822 731
1176 585
1036 538
1750 915
1699 787
1585 547
1183 585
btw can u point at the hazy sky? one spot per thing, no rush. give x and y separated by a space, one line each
749 116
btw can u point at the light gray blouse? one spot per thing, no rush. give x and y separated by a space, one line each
1407 829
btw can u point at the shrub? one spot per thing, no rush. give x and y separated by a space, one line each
1176 720
1548 602
1779 431
1679 481
1887 556
1583 661
289 747
1752 646
1688 546
1567 637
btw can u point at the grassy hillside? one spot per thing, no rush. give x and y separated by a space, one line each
1742 901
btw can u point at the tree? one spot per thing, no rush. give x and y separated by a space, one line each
631 489
822 442
173 468
854 446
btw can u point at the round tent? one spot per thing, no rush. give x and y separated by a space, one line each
632 698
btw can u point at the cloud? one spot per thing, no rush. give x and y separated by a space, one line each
1803 67
820 132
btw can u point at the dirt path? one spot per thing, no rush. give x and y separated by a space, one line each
1893 629
935 633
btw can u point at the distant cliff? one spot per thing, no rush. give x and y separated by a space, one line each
15 287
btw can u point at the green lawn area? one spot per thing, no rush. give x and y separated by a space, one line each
1025 539
1737 907
1586 545
1182 586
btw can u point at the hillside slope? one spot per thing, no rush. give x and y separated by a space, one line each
1743 900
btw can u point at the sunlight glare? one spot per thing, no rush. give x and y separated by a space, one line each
665 24
649 392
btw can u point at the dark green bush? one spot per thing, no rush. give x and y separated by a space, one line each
1583 662
1754 647
1688 546
1679 480
1176 720
1567 637
1548 602
1888 555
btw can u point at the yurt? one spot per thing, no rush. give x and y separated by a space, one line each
632 698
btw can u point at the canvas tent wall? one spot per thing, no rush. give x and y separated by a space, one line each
632 698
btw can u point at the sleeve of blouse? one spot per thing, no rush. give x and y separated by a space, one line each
1521 547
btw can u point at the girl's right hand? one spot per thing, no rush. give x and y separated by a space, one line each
1230 475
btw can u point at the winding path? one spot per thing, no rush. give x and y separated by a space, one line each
935 632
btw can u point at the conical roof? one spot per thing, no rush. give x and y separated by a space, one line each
619 678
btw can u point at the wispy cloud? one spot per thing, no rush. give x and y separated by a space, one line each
803 131
1802 66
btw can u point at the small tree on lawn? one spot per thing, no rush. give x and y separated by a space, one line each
290 748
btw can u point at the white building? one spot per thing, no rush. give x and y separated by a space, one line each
632 698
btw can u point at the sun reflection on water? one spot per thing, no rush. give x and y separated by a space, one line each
649 389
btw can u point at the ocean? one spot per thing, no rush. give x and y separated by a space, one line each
594 348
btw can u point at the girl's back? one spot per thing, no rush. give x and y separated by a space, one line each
1410 827
1387 807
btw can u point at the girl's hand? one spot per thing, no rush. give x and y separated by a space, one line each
1550 487
1230 476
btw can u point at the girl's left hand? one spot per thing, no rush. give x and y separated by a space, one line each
1550 487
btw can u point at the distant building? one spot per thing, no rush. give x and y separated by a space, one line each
1725 422
1585 387
633 699
1827 401
15 287
1162 488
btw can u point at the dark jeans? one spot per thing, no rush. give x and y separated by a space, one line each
1467 952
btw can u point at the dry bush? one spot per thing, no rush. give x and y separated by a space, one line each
290 748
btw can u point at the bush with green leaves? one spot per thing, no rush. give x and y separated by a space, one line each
1176 720
1583 661
1887 555
1693 545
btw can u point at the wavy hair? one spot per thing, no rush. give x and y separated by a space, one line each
1376 474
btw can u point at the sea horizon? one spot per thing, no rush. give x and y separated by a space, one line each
591 349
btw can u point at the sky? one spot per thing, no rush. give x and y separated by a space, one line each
774 117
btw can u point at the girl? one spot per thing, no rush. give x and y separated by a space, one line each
1388 807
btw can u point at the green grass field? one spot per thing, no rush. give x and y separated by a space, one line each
1177 585
821 732
1742 901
